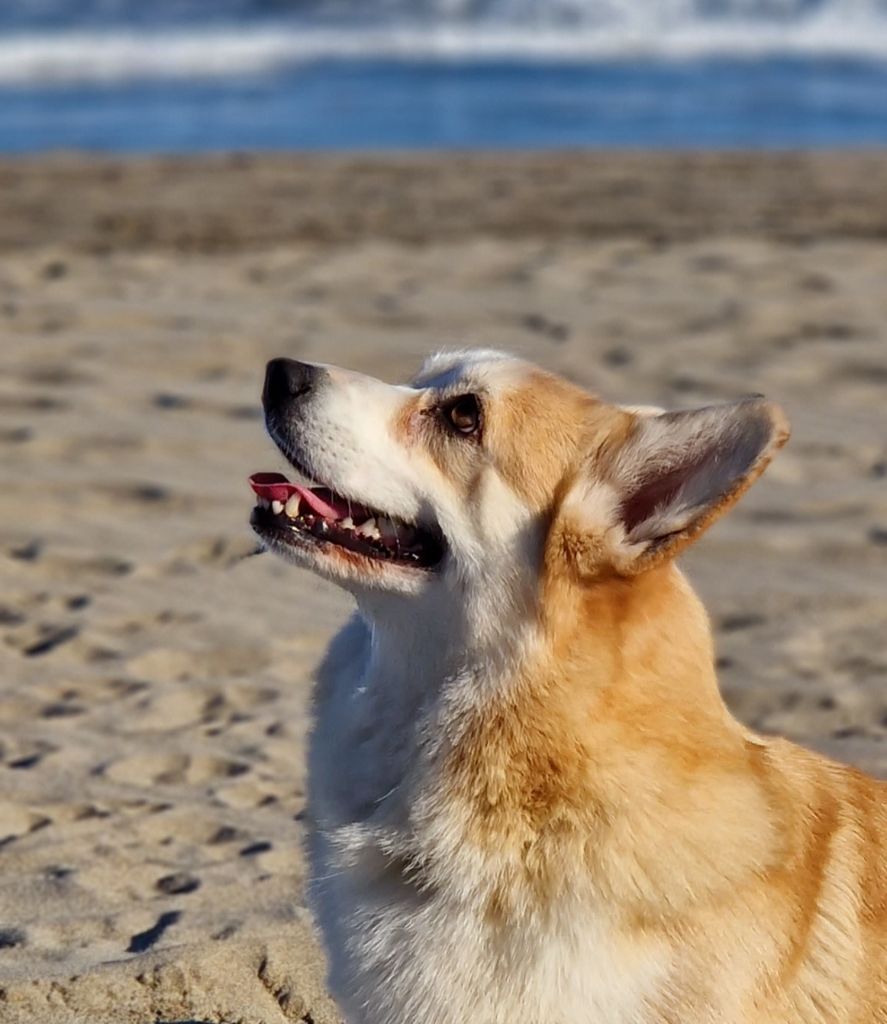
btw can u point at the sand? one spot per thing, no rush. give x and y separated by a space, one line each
154 679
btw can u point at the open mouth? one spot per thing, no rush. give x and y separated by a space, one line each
293 514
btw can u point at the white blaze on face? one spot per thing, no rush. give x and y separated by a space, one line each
483 514
354 440
347 443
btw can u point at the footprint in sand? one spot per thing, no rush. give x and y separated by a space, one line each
12 937
174 709
216 552
69 567
22 754
16 821
166 665
39 639
142 941
189 825
15 435
177 884
171 706
157 768
139 493
57 375
32 403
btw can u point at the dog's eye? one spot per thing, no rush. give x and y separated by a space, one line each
463 414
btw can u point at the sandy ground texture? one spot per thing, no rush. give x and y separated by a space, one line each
154 680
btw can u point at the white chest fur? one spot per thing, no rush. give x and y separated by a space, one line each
403 902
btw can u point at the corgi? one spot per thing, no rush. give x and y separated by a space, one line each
528 802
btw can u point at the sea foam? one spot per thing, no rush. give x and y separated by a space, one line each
581 31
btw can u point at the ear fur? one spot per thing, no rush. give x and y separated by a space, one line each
673 476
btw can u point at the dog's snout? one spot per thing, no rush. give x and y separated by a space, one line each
287 380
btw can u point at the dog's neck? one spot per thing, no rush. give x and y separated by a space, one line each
437 641
639 642
605 718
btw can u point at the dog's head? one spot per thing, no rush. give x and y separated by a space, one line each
487 473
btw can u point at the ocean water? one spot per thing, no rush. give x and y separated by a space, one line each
190 75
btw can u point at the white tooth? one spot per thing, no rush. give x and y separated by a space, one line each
264 503
347 523
368 528
292 506
277 507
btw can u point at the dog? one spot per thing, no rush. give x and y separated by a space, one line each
528 801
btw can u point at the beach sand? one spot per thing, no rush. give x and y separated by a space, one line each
154 680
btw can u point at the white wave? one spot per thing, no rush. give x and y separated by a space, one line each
115 56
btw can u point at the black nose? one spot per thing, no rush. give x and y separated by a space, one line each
287 380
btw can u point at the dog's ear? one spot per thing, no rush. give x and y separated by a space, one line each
644 498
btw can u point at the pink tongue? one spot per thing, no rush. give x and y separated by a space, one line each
276 487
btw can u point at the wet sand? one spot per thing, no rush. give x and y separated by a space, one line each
153 679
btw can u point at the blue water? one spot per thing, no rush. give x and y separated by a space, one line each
197 75
775 104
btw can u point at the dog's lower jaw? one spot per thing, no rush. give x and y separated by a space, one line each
360 577
602 830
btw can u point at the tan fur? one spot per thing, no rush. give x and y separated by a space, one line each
741 842
530 801
749 842
546 409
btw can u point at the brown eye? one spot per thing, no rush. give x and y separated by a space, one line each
463 414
